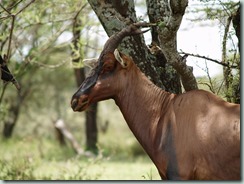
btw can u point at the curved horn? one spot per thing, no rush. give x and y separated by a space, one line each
113 42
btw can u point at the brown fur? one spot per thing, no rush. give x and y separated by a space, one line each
191 136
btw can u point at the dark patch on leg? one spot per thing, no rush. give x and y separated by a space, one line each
207 97
180 101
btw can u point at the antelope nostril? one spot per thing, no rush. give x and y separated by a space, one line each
74 103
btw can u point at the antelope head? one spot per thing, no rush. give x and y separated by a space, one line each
109 75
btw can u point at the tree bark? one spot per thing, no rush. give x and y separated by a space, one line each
237 26
10 123
91 129
169 16
8 128
232 87
13 114
115 15
228 77
63 133
12 118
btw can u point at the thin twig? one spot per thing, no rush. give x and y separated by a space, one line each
5 9
3 91
209 86
210 59
225 9
27 5
12 26
226 31
10 39
49 66
14 5
78 12
209 78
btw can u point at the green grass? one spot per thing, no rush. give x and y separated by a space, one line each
33 152
33 158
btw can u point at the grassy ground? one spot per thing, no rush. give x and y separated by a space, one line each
33 152
35 159
99 170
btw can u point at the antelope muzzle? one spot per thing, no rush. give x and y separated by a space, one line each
80 103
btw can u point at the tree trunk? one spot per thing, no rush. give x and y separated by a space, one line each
12 118
91 124
237 27
8 129
232 84
14 111
115 15
168 15
91 129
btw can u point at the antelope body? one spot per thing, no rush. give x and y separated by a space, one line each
191 136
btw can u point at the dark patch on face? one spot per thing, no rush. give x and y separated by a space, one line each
172 172
108 69
91 80
103 70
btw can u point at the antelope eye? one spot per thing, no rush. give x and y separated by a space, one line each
106 73
108 67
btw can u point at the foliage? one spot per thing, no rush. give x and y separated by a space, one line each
212 9
148 176
20 170
40 55
222 13
48 161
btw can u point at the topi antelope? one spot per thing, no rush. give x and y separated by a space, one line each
190 136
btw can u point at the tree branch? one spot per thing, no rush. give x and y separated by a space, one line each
210 59
167 31
26 6
65 133
48 66
209 86
10 39
113 21
8 12
13 16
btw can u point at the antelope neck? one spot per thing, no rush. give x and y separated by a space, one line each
141 104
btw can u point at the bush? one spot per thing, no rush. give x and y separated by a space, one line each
19 169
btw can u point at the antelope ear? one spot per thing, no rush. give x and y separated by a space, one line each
120 59
91 63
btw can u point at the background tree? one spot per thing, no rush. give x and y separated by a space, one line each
31 45
162 69
165 66
227 15
78 54
35 47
